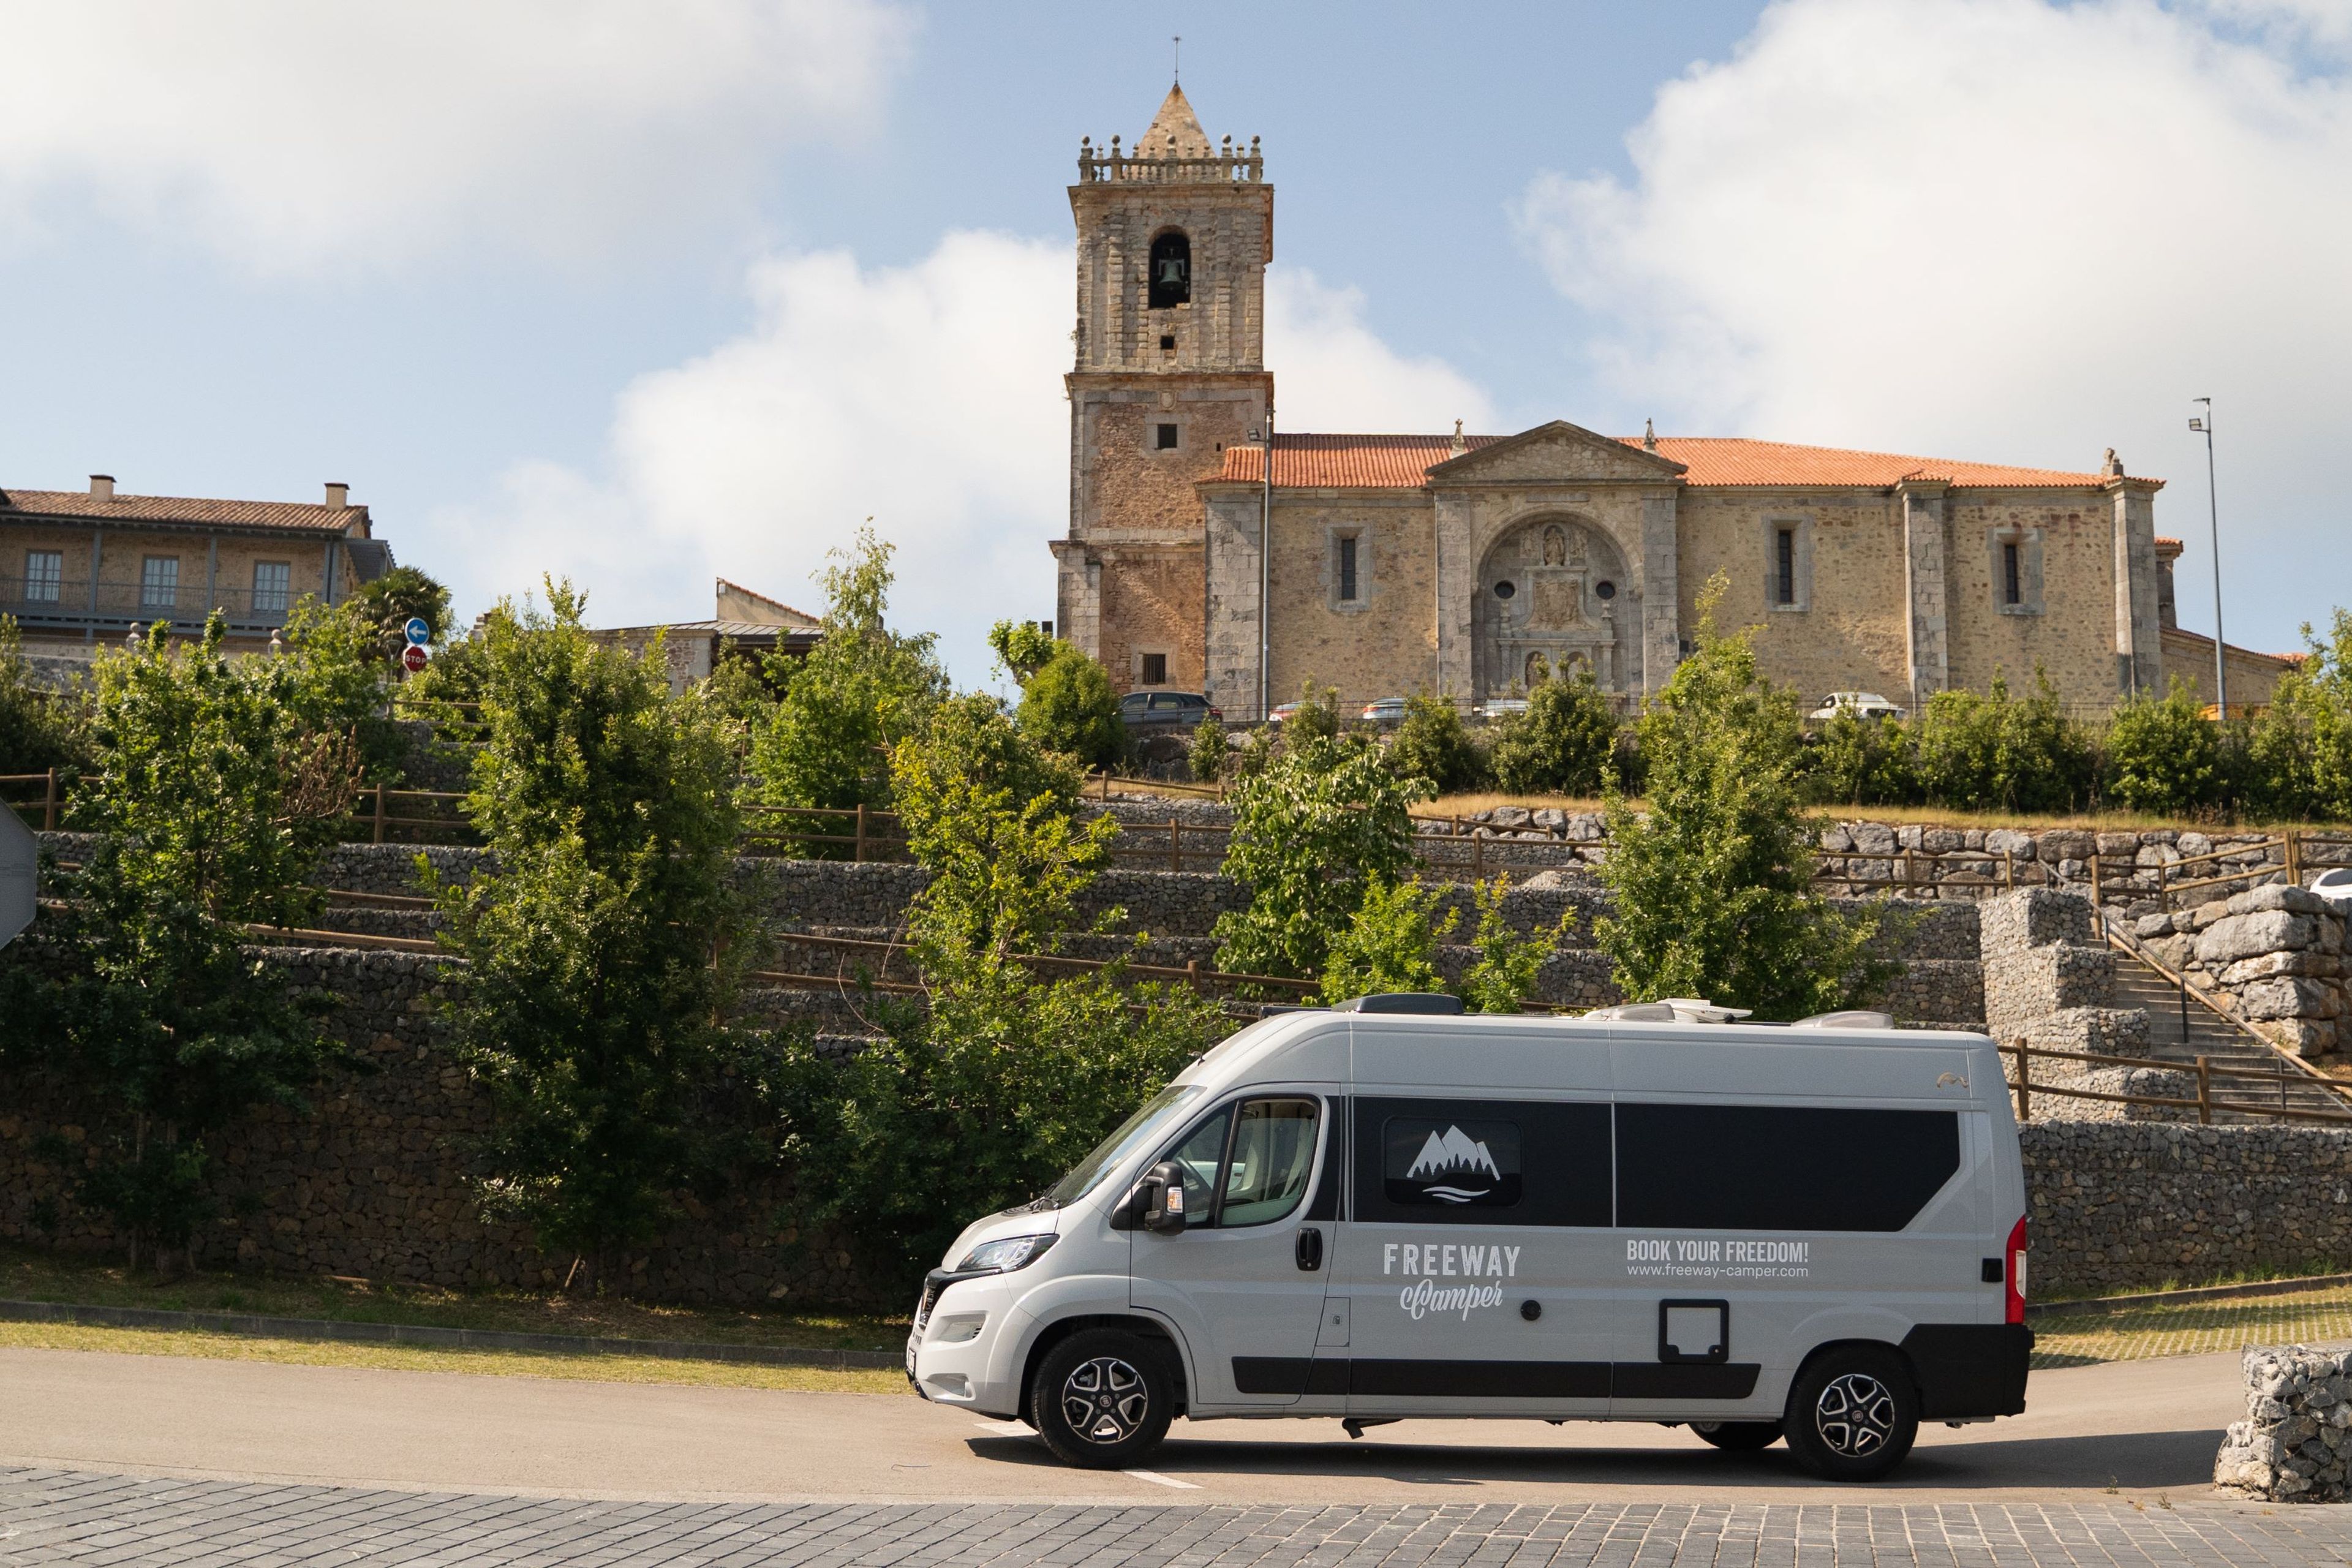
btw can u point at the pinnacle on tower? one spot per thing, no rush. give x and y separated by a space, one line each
1175 130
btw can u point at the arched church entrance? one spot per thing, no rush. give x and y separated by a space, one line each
1553 598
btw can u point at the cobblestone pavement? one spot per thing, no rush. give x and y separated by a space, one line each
67 1517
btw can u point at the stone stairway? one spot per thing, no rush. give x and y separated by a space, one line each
2209 1035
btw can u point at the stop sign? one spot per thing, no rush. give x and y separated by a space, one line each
413 658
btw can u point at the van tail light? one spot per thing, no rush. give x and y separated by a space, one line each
2014 1287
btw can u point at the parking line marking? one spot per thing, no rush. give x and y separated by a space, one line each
1163 1480
1010 1429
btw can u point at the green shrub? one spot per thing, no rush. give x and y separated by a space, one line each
1022 648
1069 705
2164 755
1313 832
1988 752
589 1006
1433 743
1562 744
862 689
40 729
1315 717
1505 972
1207 755
2324 696
208 801
1713 883
1854 761
1008 1077
1389 945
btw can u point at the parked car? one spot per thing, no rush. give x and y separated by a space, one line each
1496 707
1812 1233
1384 711
1159 724
1863 704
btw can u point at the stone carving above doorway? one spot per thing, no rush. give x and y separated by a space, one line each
1537 613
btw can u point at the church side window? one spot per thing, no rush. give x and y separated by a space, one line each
2012 577
1171 270
1348 543
1163 439
1784 566
1155 670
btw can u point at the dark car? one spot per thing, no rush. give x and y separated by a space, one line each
1159 724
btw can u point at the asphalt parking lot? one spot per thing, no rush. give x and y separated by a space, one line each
148 1459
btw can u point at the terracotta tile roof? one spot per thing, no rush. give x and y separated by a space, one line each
1389 462
81 505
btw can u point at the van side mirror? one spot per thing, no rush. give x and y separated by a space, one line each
1163 1199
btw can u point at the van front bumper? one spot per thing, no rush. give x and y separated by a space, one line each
1968 1370
958 1352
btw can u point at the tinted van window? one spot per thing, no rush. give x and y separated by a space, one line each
1481 1161
1769 1167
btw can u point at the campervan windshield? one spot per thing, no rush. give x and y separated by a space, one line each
1135 1132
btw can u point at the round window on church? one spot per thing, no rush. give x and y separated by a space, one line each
1506 589
1605 589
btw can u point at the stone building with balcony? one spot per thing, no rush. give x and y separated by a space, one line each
79 567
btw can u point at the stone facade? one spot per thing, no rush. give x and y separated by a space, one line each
1382 565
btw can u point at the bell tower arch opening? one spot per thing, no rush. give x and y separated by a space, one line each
1545 604
1171 270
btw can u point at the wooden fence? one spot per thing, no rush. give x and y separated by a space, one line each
2288 855
2205 1102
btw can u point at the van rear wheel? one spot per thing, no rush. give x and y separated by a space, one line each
1739 1437
1101 1399
1853 1413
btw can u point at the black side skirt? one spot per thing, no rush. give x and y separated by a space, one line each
1296 1376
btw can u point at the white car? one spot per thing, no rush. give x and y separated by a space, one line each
1387 1210
1861 704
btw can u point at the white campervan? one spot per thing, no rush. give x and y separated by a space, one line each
1380 1211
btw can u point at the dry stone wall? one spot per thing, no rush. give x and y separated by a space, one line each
2276 954
2295 1443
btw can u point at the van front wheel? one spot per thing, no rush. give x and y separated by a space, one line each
1101 1399
1853 1413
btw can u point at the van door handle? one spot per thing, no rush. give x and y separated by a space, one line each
1310 1248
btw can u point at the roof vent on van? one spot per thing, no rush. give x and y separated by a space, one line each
1427 1002
1852 1018
1673 1010
1635 1013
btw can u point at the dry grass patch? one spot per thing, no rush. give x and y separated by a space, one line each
475 1363
2193 1328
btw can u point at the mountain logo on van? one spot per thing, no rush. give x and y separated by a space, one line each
1450 1165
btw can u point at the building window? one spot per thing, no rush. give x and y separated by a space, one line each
159 582
1171 270
1164 437
45 571
2012 578
1788 563
273 584
1155 670
2014 559
1348 569
1168 343
1784 566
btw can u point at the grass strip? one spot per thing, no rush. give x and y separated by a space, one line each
473 1363
2194 1328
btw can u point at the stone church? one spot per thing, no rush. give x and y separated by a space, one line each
1468 565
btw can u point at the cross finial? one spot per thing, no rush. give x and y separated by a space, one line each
1178 73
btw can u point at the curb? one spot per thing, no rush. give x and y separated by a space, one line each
2203 1293
250 1324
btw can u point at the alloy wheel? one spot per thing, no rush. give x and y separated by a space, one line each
1105 1400
1855 1416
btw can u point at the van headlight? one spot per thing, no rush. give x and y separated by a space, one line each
1006 1254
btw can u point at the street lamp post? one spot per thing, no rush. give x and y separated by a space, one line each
2214 506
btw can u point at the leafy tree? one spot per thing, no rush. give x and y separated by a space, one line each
331 679
589 1004
1509 962
861 691
40 729
2164 754
1008 1077
388 602
1208 753
1856 760
1313 832
1069 705
1713 883
1315 717
1023 647
1390 944
2321 703
1988 752
1433 743
208 801
1562 744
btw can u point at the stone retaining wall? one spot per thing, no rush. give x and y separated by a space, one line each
2276 954
2295 1443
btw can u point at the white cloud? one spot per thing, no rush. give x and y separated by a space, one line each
1332 371
2000 229
289 135
927 397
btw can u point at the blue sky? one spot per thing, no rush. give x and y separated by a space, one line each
650 293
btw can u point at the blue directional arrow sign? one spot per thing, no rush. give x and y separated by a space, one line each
418 633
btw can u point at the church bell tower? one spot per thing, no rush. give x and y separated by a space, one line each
1174 237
